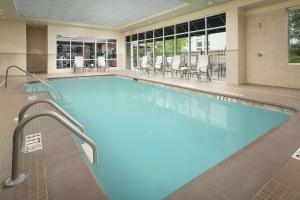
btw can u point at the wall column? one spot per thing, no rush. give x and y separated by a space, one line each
236 67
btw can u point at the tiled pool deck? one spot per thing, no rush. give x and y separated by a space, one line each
262 170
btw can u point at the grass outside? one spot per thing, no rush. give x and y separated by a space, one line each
294 59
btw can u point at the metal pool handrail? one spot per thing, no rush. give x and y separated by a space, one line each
29 74
16 177
54 105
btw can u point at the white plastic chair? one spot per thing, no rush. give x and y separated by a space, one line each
79 63
101 63
203 66
144 64
175 67
158 64
222 64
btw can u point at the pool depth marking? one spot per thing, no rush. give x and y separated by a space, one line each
33 142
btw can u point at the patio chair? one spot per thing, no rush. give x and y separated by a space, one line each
188 71
79 63
101 64
168 65
144 64
193 63
177 67
222 65
214 61
158 65
203 67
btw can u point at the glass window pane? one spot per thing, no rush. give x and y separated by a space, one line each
198 24
217 39
158 47
128 56
111 50
76 47
158 32
182 44
198 43
294 35
62 64
141 36
111 40
112 63
101 49
216 21
149 34
134 37
89 49
169 30
141 49
182 28
127 38
134 54
169 46
63 47
149 51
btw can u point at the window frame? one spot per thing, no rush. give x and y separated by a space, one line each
83 40
288 36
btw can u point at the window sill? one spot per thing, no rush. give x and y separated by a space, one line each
294 64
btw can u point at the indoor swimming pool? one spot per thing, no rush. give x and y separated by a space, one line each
152 139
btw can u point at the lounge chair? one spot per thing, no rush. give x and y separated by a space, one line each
168 64
177 68
215 64
79 63
158 65
193 63
144 64
203 67
101 64
222 64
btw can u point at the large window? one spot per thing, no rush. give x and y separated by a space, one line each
89 52
63 52
182 44
76 48
294 35
198 43
204 36
169 46
158 47
111 53
67 48
149 51
141 48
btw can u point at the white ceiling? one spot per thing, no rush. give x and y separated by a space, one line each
105 13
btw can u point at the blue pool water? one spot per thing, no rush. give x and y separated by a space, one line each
151 139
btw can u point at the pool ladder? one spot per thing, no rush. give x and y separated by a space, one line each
31 75
18 137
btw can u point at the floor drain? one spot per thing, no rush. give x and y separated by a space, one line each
296 155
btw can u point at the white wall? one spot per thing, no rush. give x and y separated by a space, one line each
267 33
12 46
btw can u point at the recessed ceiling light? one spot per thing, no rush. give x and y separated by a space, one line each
210 3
